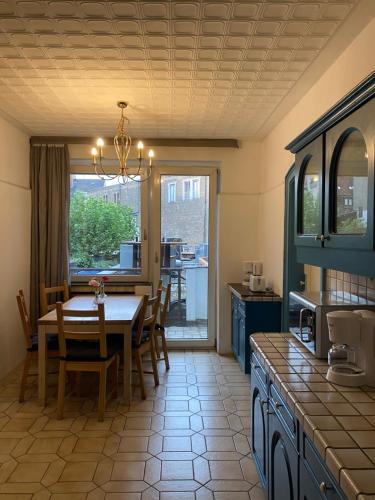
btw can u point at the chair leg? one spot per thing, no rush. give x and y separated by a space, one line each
25 373
165 349
157 345
102 392
116 364
138 358
154 362
61 390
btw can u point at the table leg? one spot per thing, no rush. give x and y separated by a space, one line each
127 364
42 365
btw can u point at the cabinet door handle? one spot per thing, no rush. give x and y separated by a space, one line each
324 238
318 237
323 487
263 402
269 412
278 405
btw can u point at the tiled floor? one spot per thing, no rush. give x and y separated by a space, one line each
188 440
186 332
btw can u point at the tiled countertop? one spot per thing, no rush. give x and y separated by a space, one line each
339 420
244 293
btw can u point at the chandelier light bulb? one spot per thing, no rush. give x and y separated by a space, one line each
94 152
140 145
151 153
100 142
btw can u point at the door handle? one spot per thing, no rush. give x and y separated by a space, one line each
156 259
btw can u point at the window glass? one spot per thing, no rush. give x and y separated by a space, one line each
105 226
351 184
311 198
196 188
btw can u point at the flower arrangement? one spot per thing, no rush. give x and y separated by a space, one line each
98 286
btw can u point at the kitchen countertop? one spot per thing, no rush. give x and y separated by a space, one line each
244 293
339 420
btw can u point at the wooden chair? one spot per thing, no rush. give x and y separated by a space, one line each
31 344
143 340
159 331
86 352
45 292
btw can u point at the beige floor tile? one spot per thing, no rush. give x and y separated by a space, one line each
223 469
133 443
128 471
178 470
89 445
177 443
24 473
220 443
79 471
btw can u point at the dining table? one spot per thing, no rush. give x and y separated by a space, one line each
120 312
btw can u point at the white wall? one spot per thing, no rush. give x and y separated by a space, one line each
353 65
14 240
238 210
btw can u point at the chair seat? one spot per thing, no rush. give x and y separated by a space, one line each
52 342
117 340
88 351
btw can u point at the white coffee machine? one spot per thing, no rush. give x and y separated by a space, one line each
351 358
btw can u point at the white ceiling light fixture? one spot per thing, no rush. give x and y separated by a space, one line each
122 142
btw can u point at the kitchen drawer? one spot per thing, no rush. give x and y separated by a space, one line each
286 417
257 368
311 459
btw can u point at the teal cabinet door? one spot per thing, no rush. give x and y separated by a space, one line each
283 462
259 434
309 168
349 181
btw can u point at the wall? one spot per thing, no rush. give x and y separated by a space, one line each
15 240
238 211
353 65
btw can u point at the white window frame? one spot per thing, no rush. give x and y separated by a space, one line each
135 278
105 197
185 183
116 198
195 189
172 199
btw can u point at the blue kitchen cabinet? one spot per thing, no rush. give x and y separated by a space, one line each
251 317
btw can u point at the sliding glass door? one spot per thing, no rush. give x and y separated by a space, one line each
184 254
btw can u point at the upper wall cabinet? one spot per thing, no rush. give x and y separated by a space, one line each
334 198
349 180
309 169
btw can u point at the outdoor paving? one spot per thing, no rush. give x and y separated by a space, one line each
189 440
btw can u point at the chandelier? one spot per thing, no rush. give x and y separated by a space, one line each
122 142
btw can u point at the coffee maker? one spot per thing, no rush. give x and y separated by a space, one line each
351 358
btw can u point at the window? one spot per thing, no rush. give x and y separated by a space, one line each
196 188
348 202
106 223
172 192
187 190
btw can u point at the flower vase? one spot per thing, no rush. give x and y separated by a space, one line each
102 292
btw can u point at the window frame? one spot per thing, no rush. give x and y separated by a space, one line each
169 198
135 278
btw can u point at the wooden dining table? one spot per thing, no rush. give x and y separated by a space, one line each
120 312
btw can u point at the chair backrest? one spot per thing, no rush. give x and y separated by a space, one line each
164 304
45 292
143 319
97 327
24 318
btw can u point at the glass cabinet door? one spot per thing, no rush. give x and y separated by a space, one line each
351 186
350 182
309 199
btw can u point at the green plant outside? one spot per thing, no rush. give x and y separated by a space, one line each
97 229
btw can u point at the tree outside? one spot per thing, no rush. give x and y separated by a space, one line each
97 229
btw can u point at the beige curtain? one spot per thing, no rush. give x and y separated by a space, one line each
50 190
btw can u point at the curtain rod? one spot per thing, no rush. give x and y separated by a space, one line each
176 143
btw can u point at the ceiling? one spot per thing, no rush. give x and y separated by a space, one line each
194 69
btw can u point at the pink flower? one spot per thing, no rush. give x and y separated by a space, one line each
94 283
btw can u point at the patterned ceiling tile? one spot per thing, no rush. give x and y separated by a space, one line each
187 68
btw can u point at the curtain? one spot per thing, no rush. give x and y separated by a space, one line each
50 192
